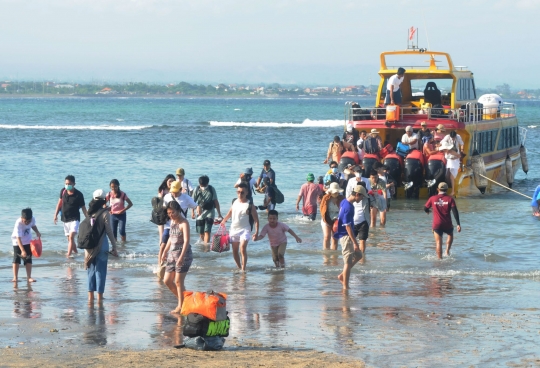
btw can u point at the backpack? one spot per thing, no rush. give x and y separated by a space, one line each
199 325
279 197
371 145
159 213
206 205
90 234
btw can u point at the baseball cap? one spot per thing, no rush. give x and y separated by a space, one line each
176 186
408 129
360 190
310 177
98 194
180 172
266 163
443 186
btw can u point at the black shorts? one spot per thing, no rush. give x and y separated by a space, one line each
311 217
17 254
361 230
440 232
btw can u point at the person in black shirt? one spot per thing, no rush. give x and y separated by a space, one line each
70 202
267 172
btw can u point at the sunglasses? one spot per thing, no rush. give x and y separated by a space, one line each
240 192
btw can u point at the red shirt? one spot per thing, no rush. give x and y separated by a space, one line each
442 205
310 192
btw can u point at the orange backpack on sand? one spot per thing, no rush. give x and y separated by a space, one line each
210 304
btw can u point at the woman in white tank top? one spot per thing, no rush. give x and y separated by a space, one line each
240 230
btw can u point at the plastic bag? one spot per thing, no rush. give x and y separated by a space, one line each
36 247
211 305
221 240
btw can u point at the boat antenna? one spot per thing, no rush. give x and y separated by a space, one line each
424 19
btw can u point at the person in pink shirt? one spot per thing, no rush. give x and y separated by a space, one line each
278 238
117 200
309 193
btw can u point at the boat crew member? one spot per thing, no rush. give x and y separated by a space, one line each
393 92
442 204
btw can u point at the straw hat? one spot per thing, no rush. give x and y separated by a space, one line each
441 128
446 146
334 188
374 131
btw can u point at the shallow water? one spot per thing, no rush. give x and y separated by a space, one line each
405 307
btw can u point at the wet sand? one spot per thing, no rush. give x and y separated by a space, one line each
37 357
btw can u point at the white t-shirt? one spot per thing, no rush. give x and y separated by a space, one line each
394 82
185 202
359 215
22 231
406 140
352 183
186 184
452 161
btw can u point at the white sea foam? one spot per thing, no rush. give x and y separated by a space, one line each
532 126
305 124
76 127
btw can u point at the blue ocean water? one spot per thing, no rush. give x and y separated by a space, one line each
493 271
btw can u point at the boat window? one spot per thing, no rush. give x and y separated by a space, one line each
509 138
419 86
493 138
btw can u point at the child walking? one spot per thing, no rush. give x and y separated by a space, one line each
21 238
278 239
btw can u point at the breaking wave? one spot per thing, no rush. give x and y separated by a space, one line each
305 124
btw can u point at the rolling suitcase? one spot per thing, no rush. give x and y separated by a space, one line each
392 113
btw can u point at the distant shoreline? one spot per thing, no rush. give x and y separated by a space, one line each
15 96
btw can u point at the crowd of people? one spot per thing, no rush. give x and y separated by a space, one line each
350 201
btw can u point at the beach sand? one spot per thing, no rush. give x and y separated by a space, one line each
99 357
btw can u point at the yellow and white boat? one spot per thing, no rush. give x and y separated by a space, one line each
438 92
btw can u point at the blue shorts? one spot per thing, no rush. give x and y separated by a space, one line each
165 236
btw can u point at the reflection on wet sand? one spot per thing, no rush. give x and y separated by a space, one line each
96 331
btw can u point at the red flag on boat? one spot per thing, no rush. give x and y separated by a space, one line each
412 31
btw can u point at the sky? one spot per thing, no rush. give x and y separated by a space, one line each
305 42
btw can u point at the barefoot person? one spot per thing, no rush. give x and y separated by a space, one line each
244 216
96 259
345 233
117 200
278 238
442 204
21 237
177 253
329 213
70 202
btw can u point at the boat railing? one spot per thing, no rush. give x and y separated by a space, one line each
469 113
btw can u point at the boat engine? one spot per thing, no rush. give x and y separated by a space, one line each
435 172
395 163
413 173
368 161
344 162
